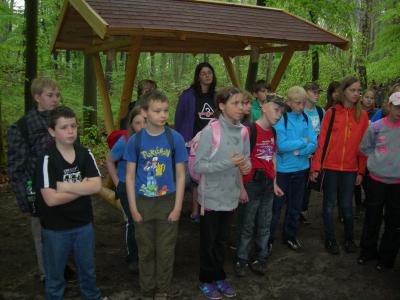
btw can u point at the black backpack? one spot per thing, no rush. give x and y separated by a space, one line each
253 135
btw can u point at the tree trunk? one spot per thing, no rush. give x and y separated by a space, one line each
268 75
253 62
31 31
314 54
365 28
110 56
237 63
89 94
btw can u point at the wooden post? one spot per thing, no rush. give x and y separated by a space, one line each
130 74
282 67
108 118
231 71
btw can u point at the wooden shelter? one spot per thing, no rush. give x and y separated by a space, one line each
180 26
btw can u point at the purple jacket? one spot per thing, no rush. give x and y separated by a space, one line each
184 114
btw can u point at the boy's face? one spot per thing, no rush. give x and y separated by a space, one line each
157 114
261 95
49 99
65 131
272 111
297 105
246 107
313 95
394 112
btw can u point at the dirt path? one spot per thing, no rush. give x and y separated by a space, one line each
312 274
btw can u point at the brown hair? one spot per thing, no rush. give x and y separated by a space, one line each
132 114
40 83
223 96
150 96
346 82
60 112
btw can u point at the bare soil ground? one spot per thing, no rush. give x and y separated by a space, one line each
311 274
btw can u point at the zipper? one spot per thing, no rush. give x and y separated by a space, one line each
345 139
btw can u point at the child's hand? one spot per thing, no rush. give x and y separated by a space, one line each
237 159
243 197
313 176
136 216
245 168
277 190
174 215
359 179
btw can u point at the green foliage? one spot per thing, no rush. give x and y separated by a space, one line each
94 138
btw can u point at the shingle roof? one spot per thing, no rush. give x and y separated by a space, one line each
185 26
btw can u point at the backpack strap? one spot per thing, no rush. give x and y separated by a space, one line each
216 136
253 136
305 117
320 113
285 118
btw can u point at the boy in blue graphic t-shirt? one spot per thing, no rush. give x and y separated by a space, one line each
155 157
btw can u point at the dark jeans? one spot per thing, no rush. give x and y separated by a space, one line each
214 232
255 220
343 183
130 227
293 185
357 190
57 246
383 197
307 194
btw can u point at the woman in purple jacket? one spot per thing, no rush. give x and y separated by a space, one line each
195 109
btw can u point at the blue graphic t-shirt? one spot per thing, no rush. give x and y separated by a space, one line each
314 118
117 153
155 175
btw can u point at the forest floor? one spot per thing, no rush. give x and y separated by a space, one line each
310 274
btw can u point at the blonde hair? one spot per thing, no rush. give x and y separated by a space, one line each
296 92
40 83
247 95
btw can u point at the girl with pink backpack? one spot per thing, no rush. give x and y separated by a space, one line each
220 187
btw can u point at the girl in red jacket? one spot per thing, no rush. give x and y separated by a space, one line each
344 164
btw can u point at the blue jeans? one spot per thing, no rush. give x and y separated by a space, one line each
255 220
343 183
57 245
293 185
130 227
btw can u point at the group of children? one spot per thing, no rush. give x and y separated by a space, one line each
254 157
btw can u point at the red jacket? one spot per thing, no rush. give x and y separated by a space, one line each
343 152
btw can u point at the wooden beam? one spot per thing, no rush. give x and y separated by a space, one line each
130 74
57 30
95 21
231 71
108 118
108 46
282 67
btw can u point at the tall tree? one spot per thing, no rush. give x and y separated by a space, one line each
89 93
30 54
365 29
314 53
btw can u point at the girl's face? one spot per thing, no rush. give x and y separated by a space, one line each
335 94
352 93
368 99
233 108
394 112
246 107
206 76
138 122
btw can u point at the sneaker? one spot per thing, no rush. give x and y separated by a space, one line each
161 296
69 274
332 247
350 246
241 269
258 267
195 218
304 218
294 244
225 288
210 291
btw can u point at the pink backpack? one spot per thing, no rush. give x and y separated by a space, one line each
216 138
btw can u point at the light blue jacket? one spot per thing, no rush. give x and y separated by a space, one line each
295 143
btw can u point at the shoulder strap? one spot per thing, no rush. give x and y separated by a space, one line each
170 139
305 117
138 143
253 136
328 134
23 128
285 117
216 135
320 113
